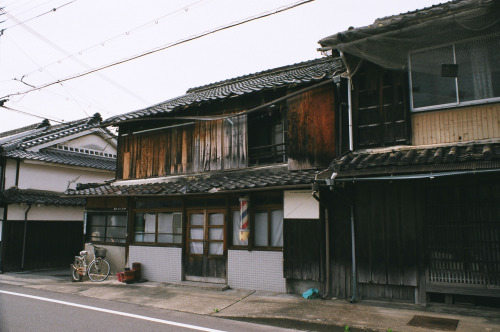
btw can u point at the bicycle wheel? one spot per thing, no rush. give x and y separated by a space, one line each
75 276
98 270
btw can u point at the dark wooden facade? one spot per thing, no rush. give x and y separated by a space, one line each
48 243
416 238
380 107
201 145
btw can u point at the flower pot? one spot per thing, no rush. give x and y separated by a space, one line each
129 276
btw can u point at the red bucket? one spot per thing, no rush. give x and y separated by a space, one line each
119 276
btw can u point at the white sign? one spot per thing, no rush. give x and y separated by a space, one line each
300 204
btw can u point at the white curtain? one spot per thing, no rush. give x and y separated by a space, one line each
277 228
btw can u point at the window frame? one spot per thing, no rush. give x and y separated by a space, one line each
156 213
268 208
458 103
271 152
107 214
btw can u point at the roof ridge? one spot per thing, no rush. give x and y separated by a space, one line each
266 72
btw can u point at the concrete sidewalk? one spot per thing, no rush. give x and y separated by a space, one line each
260 306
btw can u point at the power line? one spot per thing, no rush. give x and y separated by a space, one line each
162 48
83 64
53 10
30 114
107 41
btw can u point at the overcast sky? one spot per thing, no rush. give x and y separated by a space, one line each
86 34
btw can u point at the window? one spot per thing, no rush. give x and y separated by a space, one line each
107 227
158 227
458 74
268 225
267 229
266 137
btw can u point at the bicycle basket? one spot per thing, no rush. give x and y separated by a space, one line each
100 252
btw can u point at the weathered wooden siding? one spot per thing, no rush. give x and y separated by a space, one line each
204 146
311 128
304 249
456 125
387 221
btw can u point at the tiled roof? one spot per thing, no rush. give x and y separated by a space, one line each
32 136
66 158
411 160
18 143
398 21
14 195
296 74
278 176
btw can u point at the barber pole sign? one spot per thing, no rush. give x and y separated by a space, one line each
244 229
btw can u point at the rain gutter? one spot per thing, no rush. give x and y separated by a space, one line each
415 176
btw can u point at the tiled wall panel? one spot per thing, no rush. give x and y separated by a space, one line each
256 270
161 264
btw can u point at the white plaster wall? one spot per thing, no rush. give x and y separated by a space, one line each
10 173
43 212
160 264
94 142
52 177
256 270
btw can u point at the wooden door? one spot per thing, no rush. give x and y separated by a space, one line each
206 246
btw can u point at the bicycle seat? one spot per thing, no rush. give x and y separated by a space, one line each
84 253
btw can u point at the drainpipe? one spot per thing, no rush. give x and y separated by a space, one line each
329 182
353 249
349 101
25 234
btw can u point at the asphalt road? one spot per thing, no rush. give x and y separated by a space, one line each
24 309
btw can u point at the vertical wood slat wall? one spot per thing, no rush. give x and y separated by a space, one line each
204 146
455 125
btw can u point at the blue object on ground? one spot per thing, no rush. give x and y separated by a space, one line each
310 293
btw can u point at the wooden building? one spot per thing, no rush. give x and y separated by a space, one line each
215 185
414 194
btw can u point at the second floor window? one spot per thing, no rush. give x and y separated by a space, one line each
266 137
457 74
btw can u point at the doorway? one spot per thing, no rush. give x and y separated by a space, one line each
206 246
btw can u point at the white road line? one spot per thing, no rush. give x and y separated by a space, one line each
156 320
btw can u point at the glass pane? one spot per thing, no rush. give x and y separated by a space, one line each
428 86
139 222
196 248
177 238
139 237
216 234
165 238
116 234
261 237
236 230
177 223
277 228
149 237
165 223
478 70
216 248
196 233
216 219
150 223
196 219
97 220
117 220
97 233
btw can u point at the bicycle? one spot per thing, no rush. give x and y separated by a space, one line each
97 270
